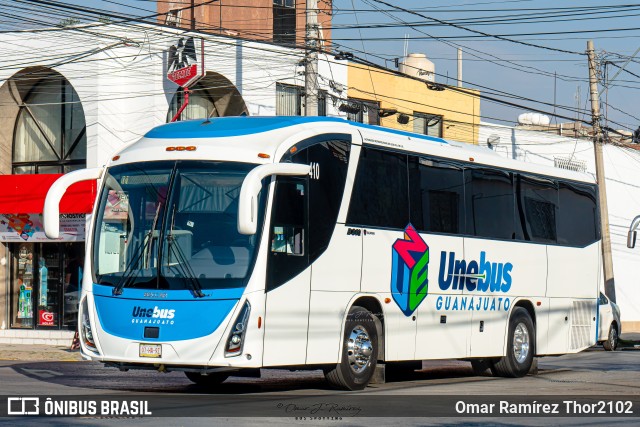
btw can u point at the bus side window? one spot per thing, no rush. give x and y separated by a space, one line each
288 251
288 221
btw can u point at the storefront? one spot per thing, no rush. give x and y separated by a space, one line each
75 100
42 277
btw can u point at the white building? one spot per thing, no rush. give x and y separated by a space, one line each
621 163
70 97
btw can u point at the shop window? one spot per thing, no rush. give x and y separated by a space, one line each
46 283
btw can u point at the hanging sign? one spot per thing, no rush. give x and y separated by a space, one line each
28 228
185 61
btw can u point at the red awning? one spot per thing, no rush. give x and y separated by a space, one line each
26 194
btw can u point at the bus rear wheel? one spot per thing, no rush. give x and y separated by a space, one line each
210 380
359 352
520 346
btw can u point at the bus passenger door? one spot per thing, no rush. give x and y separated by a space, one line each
288 275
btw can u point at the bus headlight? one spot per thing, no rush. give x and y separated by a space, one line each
85 328
236 337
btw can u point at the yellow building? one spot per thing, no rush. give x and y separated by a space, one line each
422 106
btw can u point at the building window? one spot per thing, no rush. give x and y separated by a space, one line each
290 100
362 111
200 106
50 132
49 138
284 22
427 124
213 96
173 18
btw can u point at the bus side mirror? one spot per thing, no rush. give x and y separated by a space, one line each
51 212
631 236
251 186
631 239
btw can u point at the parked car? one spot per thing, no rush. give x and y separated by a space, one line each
609 326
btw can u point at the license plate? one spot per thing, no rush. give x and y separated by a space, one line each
150 350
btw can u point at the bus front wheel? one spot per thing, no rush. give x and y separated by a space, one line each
359 352
520 346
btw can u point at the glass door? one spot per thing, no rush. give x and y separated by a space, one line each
46 282
22 279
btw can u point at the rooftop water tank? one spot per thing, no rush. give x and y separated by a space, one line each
533 119
417 65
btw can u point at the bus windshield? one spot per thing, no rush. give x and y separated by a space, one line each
173 225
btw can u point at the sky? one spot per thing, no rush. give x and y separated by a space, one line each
490 64
532 70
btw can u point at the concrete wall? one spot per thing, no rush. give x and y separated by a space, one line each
623 195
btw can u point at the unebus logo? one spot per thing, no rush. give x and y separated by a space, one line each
409 282
155 312
481 275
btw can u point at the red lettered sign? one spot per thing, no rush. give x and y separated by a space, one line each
185 61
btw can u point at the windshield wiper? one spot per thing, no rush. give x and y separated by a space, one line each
128 272
187 271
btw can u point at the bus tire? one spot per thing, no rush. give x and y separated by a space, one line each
359 352
210 380
481 367
520 346
612 339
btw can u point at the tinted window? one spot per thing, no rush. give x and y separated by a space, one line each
537 204
288 254
578 221
329 160
437 196
489 203
380 192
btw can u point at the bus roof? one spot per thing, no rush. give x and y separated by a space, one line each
238 126
217 133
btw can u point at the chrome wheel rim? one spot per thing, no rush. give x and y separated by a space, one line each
359 349
521 342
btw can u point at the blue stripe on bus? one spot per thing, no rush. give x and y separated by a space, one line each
179 315
238 126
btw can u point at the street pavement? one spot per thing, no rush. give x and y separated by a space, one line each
44 370
36 352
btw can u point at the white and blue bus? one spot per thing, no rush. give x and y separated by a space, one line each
221 246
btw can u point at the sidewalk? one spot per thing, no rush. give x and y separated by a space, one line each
41 353
38 353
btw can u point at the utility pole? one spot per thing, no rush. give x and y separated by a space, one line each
607 260
311 60
193 14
